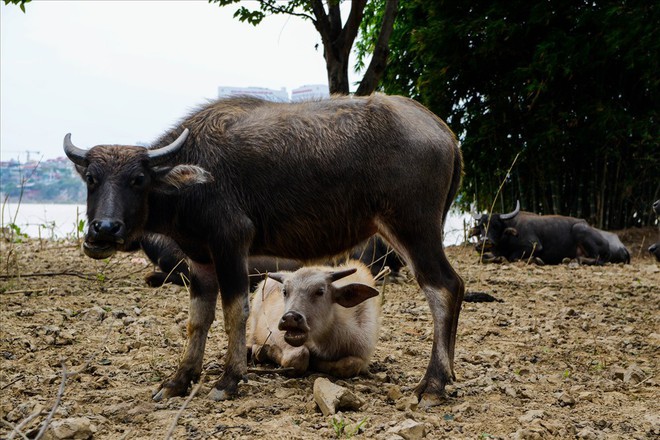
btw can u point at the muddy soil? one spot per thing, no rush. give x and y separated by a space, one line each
568 351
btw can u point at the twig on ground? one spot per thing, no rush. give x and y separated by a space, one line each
18 379
58 399
183 407
263 370
52 274
17 429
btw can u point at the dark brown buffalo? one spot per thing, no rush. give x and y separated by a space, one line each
654 249
299 181
546 239
173 267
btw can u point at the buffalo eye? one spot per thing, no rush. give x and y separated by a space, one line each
283 291
91 180
320 291
138 181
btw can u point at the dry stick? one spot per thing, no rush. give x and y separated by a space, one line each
14 292
19 378
639 254
183 407
51 274
43 429
492 206
17 429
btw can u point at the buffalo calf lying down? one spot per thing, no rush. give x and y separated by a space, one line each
319 318
545 239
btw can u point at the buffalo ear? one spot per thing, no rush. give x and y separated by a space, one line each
511 231
353 294
171 179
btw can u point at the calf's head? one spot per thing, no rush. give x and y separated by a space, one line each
119 180
309 297
494 229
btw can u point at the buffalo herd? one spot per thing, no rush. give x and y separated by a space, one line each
244 188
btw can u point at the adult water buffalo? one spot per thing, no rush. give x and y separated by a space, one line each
547 239
294 180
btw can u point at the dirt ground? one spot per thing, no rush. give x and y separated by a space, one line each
568 352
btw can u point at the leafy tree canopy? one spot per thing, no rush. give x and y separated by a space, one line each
569 86
20 3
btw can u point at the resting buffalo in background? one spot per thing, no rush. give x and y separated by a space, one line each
294 180
654 249
545 239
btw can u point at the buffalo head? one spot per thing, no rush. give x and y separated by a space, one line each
119 180
492 229
309 296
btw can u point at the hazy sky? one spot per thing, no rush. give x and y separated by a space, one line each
123 72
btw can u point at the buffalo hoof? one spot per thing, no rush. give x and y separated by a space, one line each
171 388
218 395
428 400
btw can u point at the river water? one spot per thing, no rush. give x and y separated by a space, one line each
53 220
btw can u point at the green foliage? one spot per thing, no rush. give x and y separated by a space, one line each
342 428
570 86
301 8
20 3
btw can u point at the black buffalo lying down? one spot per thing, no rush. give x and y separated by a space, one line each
654 249
245 177
173 267
545 239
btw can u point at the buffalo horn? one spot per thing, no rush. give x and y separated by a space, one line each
338 275
160 155
511 215
77 155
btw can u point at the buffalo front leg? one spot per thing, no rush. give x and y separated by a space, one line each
235 309
203 297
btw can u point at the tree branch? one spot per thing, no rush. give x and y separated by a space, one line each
378 61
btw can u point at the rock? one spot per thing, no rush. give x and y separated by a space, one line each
119 314
566 399
587 433
409 430
96 313
633 374
394 393
77 428
531 415
330 397
407 403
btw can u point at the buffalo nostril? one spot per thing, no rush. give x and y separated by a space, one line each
107 228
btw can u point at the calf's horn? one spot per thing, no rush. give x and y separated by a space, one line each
75 154
511 215
334 276
160 155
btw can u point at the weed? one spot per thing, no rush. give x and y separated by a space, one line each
342 428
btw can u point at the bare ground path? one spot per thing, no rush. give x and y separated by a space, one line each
569 352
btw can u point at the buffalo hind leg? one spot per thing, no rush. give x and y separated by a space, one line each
444 290
203 297
235 308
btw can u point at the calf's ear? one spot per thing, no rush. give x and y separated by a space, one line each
511 231
172 179
353 294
